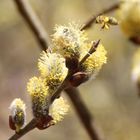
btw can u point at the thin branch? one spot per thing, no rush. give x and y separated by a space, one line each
34 23
83 113
30 126
92 19
42 37
92 50
59 90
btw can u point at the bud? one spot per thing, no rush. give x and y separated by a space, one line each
78 78
18 115
58 110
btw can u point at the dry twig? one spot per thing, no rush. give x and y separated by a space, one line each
83 113
34 23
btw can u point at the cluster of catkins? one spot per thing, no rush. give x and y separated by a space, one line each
70 45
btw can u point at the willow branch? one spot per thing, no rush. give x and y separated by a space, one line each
83 113
30 126
92 19
34 23
42 38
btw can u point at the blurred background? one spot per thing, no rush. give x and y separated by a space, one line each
112 97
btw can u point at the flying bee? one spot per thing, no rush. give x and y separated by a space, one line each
106 21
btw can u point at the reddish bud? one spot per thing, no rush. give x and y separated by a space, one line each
43 122
135 40
11 123
78 78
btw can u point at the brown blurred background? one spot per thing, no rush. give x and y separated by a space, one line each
111 97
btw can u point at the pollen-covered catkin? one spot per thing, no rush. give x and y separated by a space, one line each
68 40
58 110
18 114
39 93
95 61
52 67
129 16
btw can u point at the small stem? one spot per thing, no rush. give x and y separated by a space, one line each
30 126
83 113
92 50
57 93
92 19
34 23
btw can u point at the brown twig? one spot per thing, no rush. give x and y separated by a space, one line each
83 113
92 19
30 126
34 23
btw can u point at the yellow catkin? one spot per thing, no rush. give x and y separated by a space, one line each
52 67
95 61
39 93
18 113
129 16
68 40
58 110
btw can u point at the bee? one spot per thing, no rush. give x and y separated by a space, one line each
106 21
